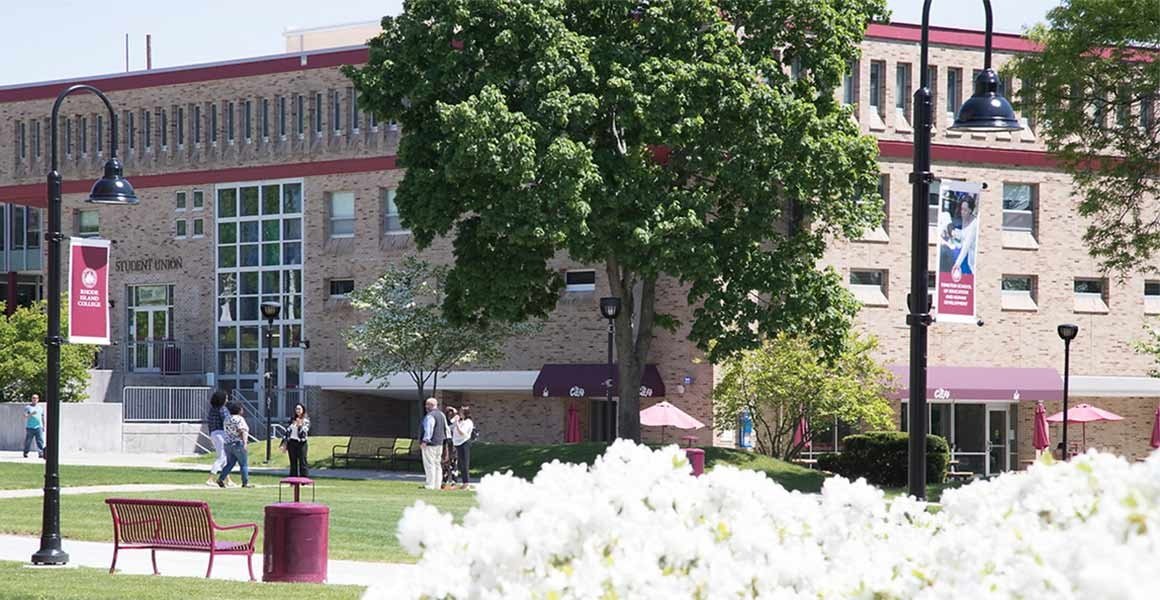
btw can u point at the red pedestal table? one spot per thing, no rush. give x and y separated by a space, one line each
297 538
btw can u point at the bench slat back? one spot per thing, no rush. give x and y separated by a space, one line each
366 446
176 522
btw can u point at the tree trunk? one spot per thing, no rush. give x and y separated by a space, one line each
632 347
417 424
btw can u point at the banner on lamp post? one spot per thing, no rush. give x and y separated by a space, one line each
88 291
957 233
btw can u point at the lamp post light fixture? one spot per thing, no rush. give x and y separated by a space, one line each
1067 333
984 111
270 310
110 189
610 309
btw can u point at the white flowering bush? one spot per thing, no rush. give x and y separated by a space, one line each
635 525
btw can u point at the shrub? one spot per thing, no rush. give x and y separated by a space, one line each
881 457
636 526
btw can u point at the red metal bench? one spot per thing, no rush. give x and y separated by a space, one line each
142 524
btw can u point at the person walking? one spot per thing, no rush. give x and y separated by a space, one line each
462 428
237 432
431 444
34 426
294 441
215 419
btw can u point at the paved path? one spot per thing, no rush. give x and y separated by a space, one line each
98 489
192 564
164 461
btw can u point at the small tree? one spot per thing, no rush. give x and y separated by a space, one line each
24 359
406 331
786 379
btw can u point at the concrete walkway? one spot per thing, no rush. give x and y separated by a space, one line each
193 564
98 489
164 461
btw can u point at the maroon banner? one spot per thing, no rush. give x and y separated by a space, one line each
88 291
958 243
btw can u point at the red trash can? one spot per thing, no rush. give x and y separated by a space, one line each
297 538
697 459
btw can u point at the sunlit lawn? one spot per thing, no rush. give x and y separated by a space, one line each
19 582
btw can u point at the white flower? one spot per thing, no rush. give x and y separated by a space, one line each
636 525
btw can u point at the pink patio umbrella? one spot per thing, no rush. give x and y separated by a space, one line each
1156 429
1042 439
572 431
1085 413
802 433
662 414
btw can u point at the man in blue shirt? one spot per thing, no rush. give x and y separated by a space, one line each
34 426
431 444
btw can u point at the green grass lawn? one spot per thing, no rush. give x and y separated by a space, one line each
524 460
363 514
19 582
19 476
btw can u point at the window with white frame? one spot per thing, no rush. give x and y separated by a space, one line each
878 89
265 124
1152 297
180 201
1147 112
954 92
180 126
230 122
282 117
318 113
879 233
850 84
340 288
300 116
247 120
147 123
198 228
391 222
869 286
336 112
902 76
198 199
164 129
355 116
88 223
1019 292
341 214
182 229
580 280
1020 203
1091 295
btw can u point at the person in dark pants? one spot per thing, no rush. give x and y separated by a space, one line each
294 441
462 428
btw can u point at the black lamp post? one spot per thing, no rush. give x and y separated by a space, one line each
270 310
984 111
111 188
610 309
1067 333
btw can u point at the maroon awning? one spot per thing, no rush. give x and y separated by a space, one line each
945 384
590 381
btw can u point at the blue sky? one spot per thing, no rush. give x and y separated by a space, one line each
54 39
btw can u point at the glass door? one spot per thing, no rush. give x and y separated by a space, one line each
997 426
969 437
150 327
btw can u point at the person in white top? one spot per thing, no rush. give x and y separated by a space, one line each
462 428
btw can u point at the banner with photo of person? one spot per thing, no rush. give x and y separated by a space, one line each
957 234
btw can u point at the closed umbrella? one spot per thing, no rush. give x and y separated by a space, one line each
662 414
1042 439
1156 429
572 431
801 434
1084 414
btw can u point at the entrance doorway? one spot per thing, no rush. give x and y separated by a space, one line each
980 435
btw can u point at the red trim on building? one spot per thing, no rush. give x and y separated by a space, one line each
946 36
33 194
944 153
194 74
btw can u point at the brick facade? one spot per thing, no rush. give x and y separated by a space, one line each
575 333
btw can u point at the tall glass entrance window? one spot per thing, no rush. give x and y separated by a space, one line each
982 437
259 258
150 325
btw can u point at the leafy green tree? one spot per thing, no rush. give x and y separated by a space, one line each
1093 94
787 379
406 332
24 360
693 140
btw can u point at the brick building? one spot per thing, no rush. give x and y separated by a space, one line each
261 179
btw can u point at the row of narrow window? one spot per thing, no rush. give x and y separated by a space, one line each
245 120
